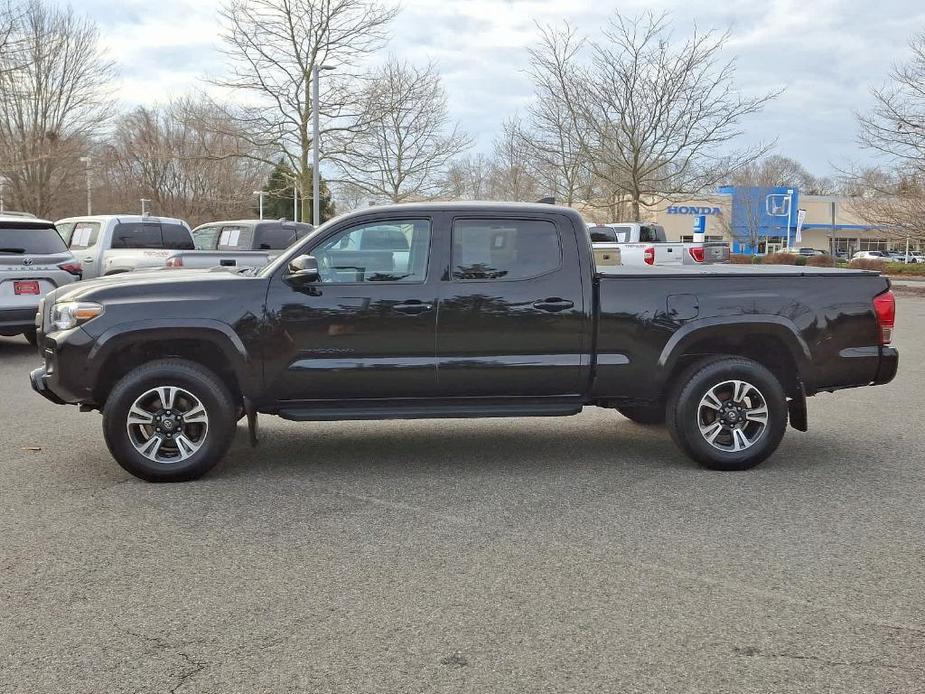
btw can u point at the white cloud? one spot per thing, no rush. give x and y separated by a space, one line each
825 52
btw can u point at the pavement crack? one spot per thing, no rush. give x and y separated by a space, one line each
196 666
752 651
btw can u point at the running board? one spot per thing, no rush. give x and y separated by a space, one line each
327 414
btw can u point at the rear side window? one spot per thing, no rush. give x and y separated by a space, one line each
84 235
137 235
504 249
273 237
176 237
30 240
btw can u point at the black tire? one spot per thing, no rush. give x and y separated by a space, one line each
684 412
647 415
189 376
31 337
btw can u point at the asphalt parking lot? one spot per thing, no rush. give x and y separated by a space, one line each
555 555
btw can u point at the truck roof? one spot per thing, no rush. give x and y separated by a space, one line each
17 219
121 218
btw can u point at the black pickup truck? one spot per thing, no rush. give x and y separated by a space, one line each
458 310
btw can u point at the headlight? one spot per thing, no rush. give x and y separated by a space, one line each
70 314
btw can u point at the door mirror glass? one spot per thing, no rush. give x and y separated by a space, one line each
302 270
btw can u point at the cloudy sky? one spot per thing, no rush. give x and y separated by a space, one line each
827 53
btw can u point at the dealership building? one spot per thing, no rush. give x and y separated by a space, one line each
757 219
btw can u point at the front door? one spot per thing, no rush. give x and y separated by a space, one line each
366 329
512 319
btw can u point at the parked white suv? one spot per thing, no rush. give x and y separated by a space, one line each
110 244
33 261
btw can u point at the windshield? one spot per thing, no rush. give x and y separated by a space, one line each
26 239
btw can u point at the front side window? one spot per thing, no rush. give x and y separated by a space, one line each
137 235
230 238
647 235
388 251
84 235
504 249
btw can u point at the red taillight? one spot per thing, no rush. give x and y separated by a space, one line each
648 256
696 253
885 308
73 268
175 262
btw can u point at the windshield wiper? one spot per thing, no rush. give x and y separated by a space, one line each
17 251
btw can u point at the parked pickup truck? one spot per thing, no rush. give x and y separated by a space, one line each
113 244
647 244
239 244
492 310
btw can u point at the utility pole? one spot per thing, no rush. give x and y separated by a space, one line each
316 137
295 203
86 160
2 183
144 209
260 194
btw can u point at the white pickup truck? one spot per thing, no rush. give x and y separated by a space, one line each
647 244
111 244
239 243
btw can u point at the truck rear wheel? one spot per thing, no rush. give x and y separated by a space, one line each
727 413
170 420
644 414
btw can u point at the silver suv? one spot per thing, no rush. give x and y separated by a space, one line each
33 261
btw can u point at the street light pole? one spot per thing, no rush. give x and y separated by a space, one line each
260 194
2 183
144 209
86 160
316 201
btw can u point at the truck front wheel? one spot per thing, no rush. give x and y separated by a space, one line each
170 420
727 413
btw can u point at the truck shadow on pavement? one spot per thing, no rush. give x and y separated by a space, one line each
469 446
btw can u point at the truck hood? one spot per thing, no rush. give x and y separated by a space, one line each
153 282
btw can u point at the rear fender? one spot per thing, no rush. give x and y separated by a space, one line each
733 329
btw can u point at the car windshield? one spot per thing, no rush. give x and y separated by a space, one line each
29 239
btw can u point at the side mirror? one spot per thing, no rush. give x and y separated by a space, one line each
302 270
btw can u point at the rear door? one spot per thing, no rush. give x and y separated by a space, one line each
511 319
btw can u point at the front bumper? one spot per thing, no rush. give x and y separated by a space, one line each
889 363
17 320
40 386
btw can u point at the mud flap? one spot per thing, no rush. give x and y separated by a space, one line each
253 428
796 408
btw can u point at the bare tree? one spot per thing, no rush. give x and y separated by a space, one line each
893 197
511 173
560 161
655 116
408 141
185 158
467 178
53 100
274 45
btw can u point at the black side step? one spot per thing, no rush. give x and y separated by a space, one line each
327 414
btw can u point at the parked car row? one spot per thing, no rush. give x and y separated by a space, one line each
636 243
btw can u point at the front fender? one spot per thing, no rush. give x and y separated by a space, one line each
124 335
